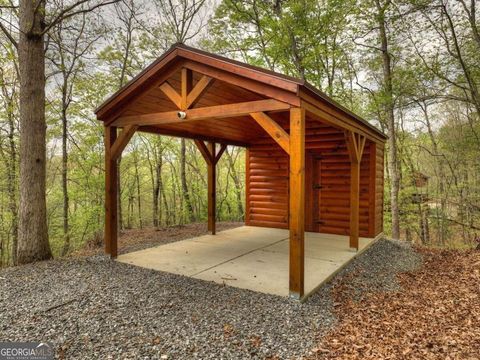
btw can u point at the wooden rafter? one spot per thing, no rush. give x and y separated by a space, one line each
204 151
218 156
355 144
273 129
200 88
188 97
171 93
210 158
208 112
122 141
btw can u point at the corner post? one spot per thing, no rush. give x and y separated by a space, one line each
297 203
111 187
355 145
212 188
354 204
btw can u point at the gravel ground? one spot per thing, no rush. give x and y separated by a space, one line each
93 308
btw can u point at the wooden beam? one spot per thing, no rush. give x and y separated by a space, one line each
285 93
187 81
212 186
208 112
191 135
220 153
297 203
239 69
273 129
200 88
122 141
111 188
171 93
328 118
204 151
355 145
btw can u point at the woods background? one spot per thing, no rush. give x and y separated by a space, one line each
410 67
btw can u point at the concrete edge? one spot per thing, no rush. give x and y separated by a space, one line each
332 275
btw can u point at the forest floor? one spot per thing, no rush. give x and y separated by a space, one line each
435 313
393 301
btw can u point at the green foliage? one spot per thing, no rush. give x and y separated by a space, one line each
332 44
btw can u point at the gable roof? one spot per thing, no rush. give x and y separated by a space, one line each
268 77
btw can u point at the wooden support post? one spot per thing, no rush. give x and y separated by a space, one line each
297 202
355 145
212 186
211 158
354 204
111 186
187 82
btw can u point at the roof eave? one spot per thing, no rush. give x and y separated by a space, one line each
171 50
323 97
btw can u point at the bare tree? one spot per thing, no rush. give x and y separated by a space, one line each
388 109
35 20
128 13
9 154
183 21
231 157
69 42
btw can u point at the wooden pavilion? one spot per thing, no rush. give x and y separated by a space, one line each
311 164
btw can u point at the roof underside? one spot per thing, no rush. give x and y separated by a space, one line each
233 83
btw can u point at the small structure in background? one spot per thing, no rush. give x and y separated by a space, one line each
420 182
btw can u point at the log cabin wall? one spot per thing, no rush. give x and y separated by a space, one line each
379 182
267 183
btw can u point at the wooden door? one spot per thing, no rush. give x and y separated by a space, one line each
313 192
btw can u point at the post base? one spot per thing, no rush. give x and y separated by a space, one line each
295 296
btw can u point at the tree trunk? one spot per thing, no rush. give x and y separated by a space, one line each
155 193
66 229
441 176
183 178
390 120
12 186
139 198
32 228
164 197
237 182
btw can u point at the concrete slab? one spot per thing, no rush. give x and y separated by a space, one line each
249 257
191 256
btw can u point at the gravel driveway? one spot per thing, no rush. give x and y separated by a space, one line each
94 308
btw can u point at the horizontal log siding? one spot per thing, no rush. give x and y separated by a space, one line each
267 182
379 181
